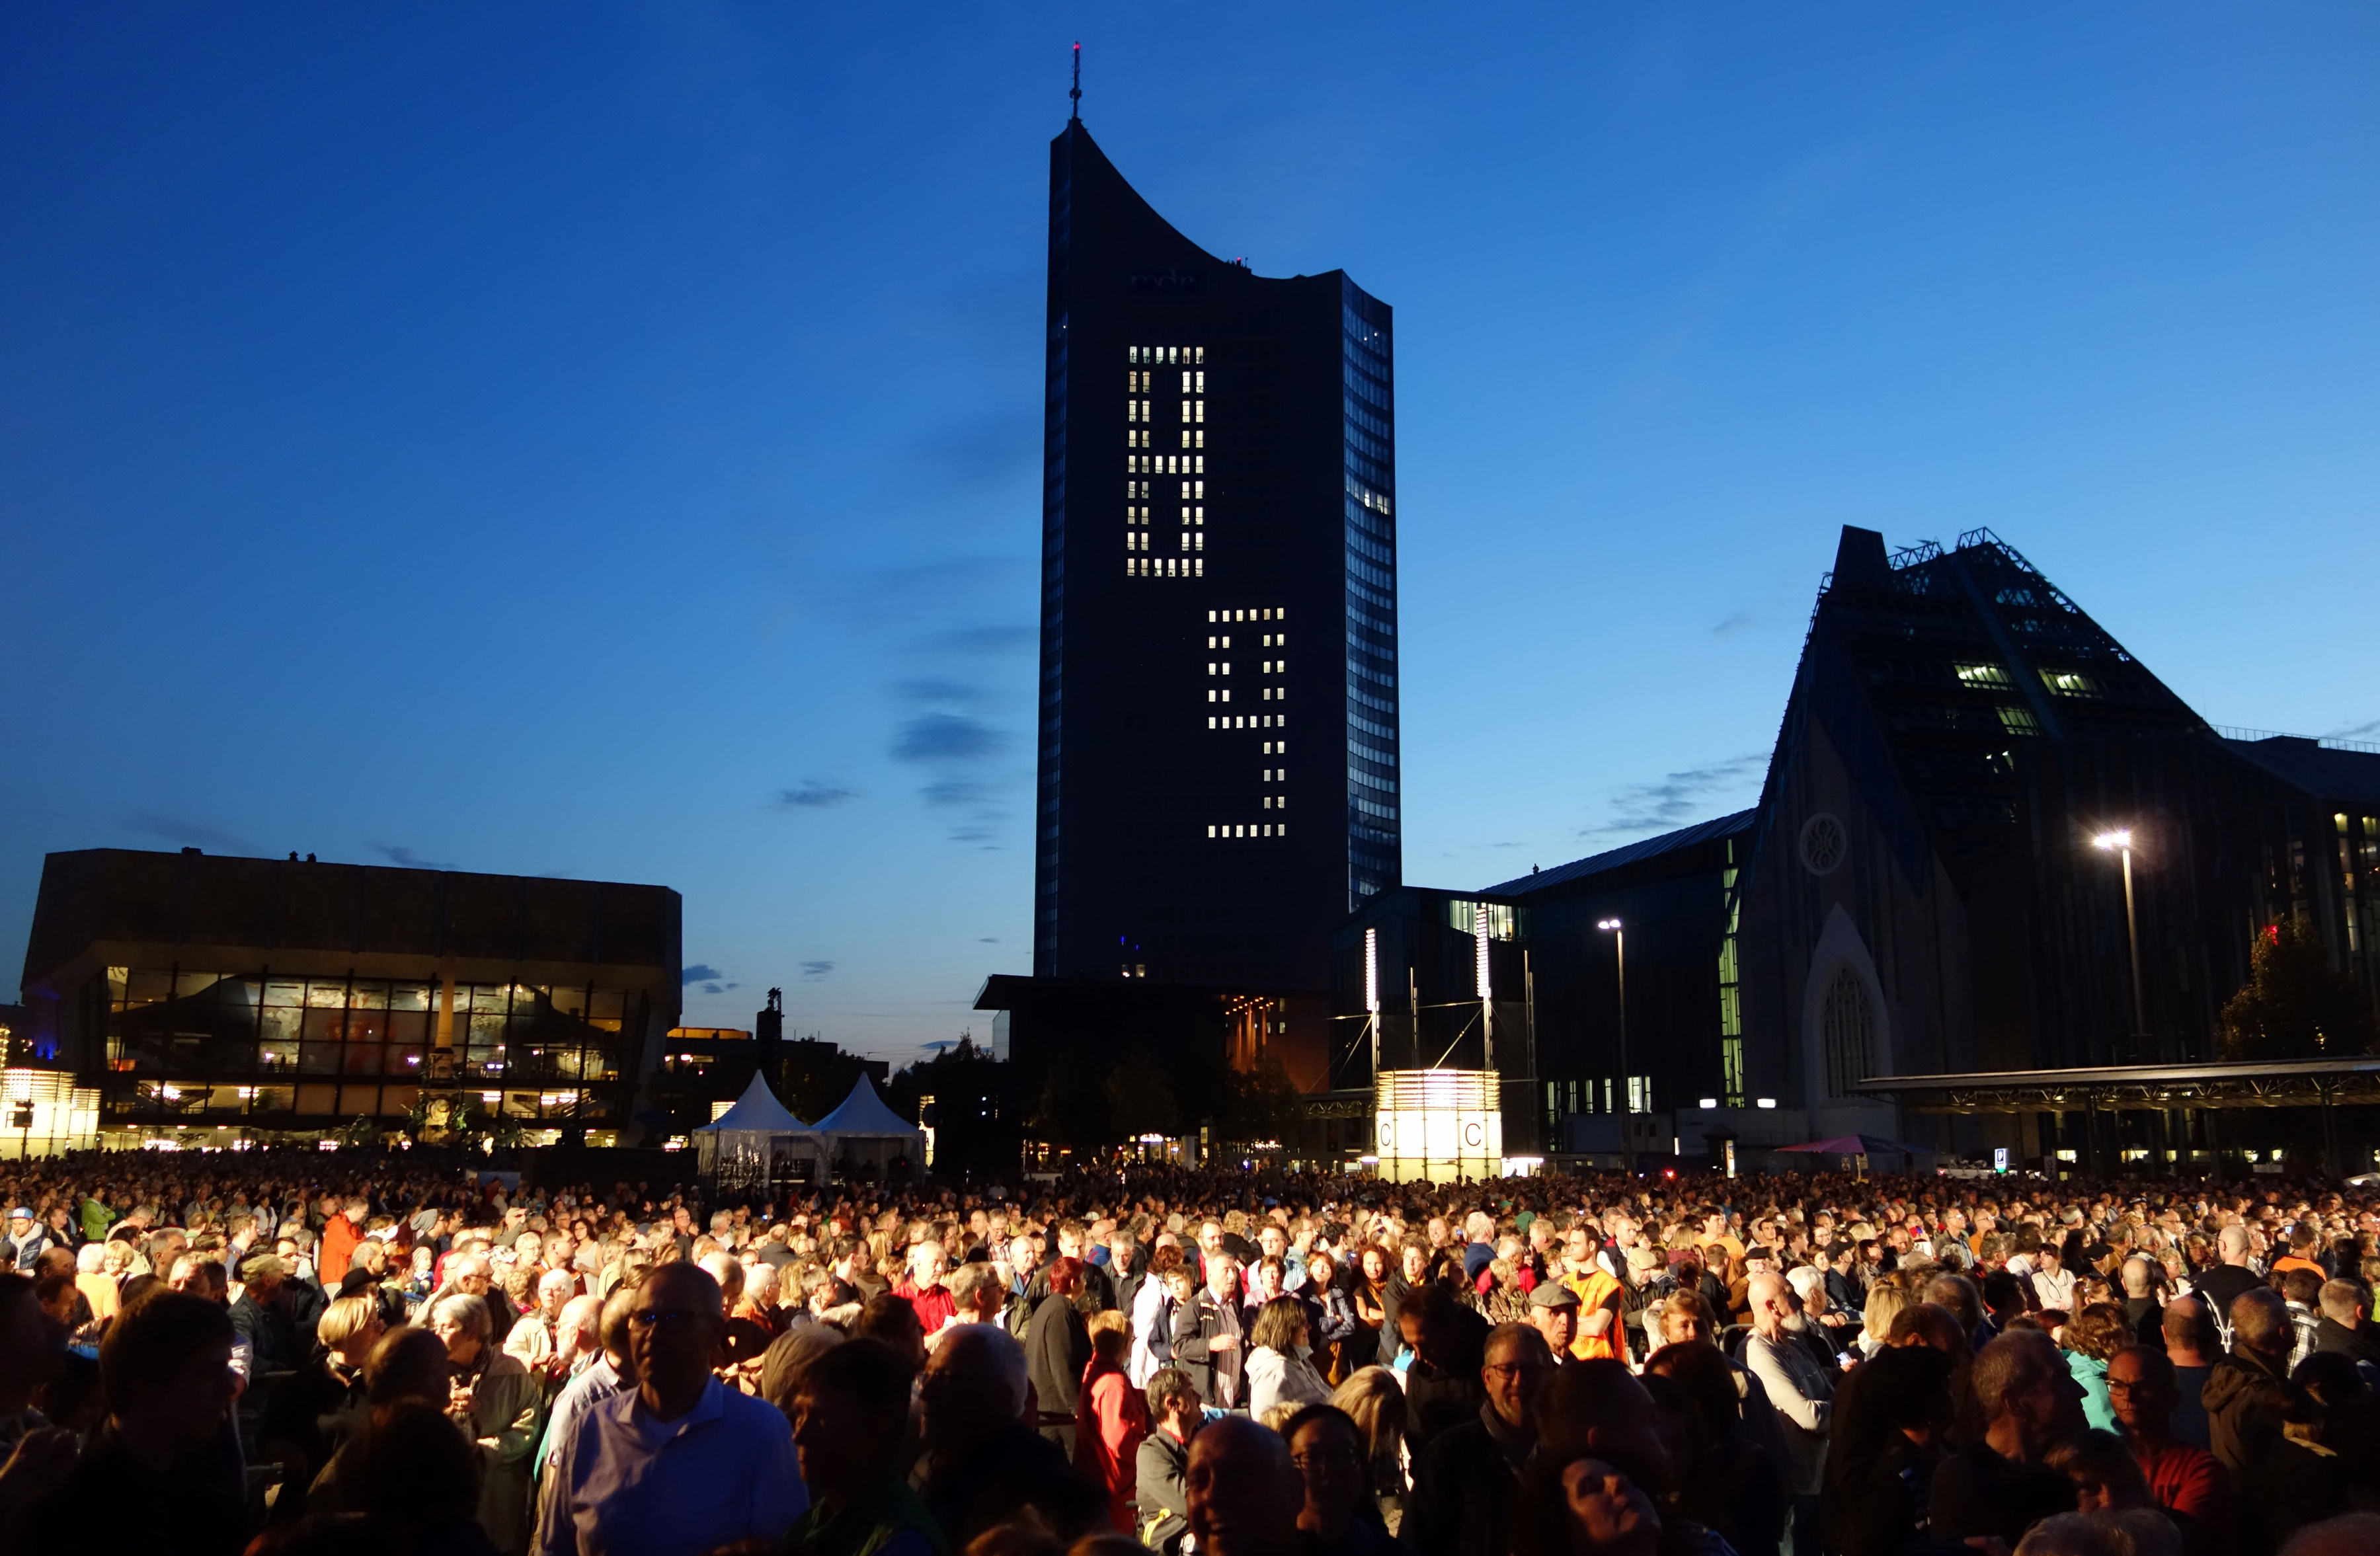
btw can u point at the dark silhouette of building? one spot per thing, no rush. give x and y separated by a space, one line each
1921 892
1217 717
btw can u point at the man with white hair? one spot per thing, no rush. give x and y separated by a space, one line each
1799 1389
982 1464
1817 1324
577 1338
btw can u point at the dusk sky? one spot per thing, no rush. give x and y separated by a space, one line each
604 441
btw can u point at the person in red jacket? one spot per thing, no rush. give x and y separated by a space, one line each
2187 1482
1110 1417
340 1235
924 1290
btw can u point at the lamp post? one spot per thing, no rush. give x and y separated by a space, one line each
1619 935
2122 842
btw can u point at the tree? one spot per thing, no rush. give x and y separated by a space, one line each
1262 1104
2295 1004
1140 1099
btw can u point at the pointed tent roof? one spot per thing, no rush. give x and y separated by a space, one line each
863 1113
1851 1144
758 1111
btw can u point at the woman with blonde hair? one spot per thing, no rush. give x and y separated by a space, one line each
1885 1303
1112 1418
1375 1401
96 1284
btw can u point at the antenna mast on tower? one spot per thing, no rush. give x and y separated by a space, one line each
1077 93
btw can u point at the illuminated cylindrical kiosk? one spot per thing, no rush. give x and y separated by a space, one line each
1437 1124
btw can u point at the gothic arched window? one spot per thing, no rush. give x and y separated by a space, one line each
1849 1025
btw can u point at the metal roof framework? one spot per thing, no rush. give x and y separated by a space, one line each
2284 1082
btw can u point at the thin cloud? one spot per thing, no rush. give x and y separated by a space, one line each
701 972
932 689
182 832
946 737
989 452
2364 730
398 854
811 793
813 971
1676 798
1735 622
972 641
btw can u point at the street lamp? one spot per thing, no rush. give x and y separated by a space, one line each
2122 842
1619 935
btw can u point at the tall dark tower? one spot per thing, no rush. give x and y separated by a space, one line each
1219 689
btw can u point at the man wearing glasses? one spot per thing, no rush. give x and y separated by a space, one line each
1465 1483
682 1464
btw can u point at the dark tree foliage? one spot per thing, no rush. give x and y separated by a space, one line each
2295 1004
1140 1099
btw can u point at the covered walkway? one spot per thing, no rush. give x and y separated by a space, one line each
2175 1096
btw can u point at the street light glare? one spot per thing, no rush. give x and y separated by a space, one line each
1607 923
2112 840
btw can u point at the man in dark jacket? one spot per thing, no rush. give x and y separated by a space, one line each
980 1465
262 1318
1465 1484
1998 1487
1443 1384
1209 1342
1161 1472
2343 1328
1057 1349
2248 1391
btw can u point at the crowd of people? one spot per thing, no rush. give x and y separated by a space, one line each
289 1351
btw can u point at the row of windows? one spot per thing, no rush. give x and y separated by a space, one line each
1166 465
1192 411
1249 829
1249 721
1172 356
1275 774
1144 382
1276 802
1277 613
1165 566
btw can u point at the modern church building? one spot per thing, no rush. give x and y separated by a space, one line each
1218 718
2000 886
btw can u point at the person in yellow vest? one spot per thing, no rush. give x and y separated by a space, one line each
1598 1298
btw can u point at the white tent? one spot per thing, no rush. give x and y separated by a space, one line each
864 1134
758 1143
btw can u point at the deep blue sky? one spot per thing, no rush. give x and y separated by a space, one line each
604 441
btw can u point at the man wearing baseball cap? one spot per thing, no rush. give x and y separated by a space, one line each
26 1241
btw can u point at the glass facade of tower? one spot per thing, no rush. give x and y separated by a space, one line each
1218 723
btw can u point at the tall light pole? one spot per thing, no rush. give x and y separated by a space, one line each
1619 935
2122 842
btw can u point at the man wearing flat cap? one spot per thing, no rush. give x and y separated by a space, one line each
1553 1311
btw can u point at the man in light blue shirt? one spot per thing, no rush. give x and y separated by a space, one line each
607 1377
682 1464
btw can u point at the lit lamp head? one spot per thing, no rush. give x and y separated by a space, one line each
2112 840
1606 924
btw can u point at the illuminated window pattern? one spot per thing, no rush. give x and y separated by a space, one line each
188 1042
1154 370
1731 992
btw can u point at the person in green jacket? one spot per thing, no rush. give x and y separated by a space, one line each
850 1411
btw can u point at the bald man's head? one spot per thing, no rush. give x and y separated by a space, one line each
1244 1493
